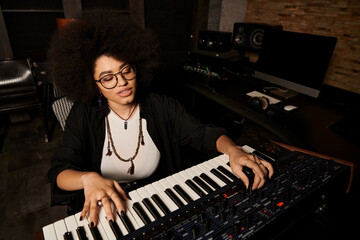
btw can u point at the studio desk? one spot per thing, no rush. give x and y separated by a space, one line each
207 201
307 127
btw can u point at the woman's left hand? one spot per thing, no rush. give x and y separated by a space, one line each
261 168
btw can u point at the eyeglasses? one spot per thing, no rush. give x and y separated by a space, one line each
110 81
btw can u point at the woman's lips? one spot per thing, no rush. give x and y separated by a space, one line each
124 93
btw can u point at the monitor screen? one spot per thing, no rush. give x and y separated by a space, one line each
296 61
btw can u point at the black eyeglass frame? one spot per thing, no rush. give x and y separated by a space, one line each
115 75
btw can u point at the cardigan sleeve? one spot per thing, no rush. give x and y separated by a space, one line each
189 130
67 156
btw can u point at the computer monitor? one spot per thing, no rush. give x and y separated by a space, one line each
296 61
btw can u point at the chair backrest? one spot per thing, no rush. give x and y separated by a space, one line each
16 77
61 108
17 84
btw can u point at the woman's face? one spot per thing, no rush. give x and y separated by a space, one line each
124 91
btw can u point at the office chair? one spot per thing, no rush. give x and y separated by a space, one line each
18 91
61 108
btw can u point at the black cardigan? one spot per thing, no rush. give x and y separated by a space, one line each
168 124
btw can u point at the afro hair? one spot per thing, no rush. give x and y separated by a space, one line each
75 48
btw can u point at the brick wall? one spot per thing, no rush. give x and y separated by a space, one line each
337 18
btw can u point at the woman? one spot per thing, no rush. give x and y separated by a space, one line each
117 132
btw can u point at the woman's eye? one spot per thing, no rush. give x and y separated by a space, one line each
107 78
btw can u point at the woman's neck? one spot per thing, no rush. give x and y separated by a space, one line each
123 110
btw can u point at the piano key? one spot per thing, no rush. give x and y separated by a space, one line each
115 229
85 224
160 203
193 174
154 212
178 189
207 168
202 184
208 180
60 229
96 233
227 173
182 193
194 187
161 192
220 175
49 232
68 236
199 171
174 198
141 213
135 196
105 223
145 194
126 222
71 226
81 233
134 218
181 181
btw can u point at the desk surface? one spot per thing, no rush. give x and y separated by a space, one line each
313 119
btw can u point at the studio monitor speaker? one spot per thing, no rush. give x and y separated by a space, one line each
214 41
249 36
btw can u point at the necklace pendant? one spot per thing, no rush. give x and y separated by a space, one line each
125 125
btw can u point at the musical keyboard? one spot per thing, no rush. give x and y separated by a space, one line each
207 201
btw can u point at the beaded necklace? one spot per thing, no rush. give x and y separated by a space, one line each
111 142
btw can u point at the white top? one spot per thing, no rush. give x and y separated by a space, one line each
125 141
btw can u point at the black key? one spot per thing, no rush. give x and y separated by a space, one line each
116 230
126 221
68 236
81 233
220 176
195 188
227 173
95 233
140 211
183 194
160 204
174 198
202 184
151 208
209 181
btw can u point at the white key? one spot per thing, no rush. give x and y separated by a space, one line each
121 225
49 232
167 184
205 166
161 192
192 174
104 222
60 229
85 224
130 216
181 181
145 194
71 226
135 197
223 160
135 219
199 171
215 164
151 190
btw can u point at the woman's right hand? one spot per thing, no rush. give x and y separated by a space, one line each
100 189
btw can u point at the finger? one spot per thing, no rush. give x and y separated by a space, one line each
269 168
84 211
238 171
119 204
259 175
121 192
93 212
107 207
